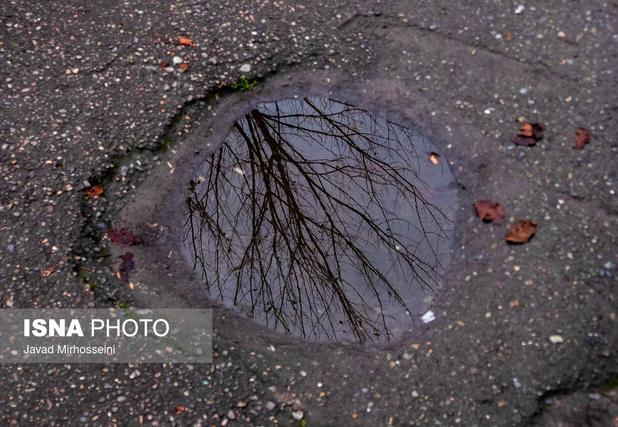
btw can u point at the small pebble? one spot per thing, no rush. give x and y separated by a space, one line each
428 317
245 68
556 339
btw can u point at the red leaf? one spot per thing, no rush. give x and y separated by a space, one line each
489 211
582 138
123 237
521 232
183 67
94 192
181 409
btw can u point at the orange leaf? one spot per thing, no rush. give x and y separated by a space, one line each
180 409
185 41
94 192
529 134
521 232
184 66
526 130
489 211
582 138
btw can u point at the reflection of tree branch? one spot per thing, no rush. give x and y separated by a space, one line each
286 227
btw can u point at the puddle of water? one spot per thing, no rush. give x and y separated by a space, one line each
321 220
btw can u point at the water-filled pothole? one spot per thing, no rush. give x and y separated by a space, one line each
319 219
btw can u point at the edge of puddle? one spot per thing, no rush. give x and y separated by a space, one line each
163 275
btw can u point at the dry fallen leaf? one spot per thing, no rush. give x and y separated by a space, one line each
582 138
434 158
185 41
521 232
181 409
184 66
529 134
48 271
489 211
123 236
94 192
525 130
164 64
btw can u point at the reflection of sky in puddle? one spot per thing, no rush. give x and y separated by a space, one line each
319 219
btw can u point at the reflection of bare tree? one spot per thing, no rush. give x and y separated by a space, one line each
297 198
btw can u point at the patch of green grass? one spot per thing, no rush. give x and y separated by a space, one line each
303 423
244 85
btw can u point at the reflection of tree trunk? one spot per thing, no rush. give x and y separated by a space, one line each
305 226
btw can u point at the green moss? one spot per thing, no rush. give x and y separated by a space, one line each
244 85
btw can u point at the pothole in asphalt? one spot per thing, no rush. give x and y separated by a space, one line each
322 220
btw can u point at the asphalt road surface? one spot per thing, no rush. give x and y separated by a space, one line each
103 93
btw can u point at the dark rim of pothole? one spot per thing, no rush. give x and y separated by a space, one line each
319 219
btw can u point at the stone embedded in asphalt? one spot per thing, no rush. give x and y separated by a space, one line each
556 339
428 317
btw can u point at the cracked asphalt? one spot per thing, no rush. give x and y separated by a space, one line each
94 93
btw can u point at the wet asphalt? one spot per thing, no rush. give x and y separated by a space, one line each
94 93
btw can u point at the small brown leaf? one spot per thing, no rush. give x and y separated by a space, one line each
123 236
521 232
164 64
489 211
94 192
48 271
434 158
183 67
185 41
582 138
525 130
181 409
529 134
